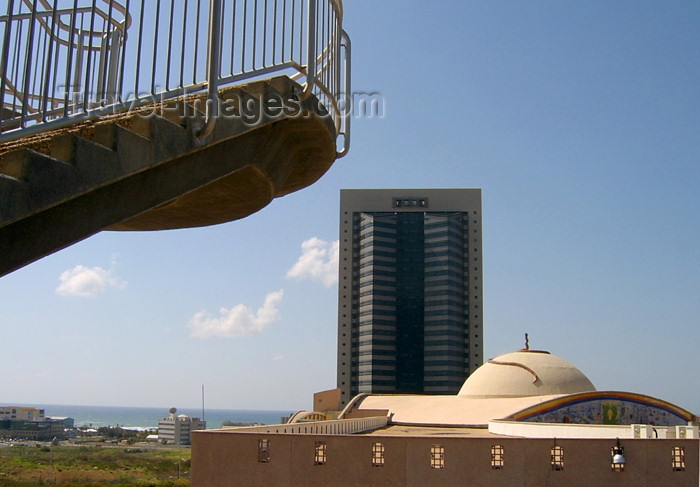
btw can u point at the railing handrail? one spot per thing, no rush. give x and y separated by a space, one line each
49 13
350 426
85 68
214 69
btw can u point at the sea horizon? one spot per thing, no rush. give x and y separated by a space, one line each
136 417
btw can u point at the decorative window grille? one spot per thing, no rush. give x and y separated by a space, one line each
263 450
557 454
497 460
437 456
377 454
320 453
678 461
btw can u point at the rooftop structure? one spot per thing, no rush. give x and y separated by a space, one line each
526 373
528 387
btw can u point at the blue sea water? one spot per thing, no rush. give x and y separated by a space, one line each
138 417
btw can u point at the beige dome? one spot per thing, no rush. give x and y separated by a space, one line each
526 373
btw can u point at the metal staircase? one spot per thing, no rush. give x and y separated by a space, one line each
74 162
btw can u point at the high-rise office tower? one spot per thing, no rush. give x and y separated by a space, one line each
410 290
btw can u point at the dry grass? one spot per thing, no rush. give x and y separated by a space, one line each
66 466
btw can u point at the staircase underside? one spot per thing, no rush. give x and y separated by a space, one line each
137 172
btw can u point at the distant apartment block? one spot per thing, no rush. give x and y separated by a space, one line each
177 429
410 290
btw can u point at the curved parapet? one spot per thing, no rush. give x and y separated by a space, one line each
306 416
354 403
608 407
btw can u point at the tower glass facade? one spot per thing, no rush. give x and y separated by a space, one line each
410 290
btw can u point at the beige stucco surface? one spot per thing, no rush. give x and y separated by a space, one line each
449 410
230 459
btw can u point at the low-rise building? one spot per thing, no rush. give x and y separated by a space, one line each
66 421
27 423
32 430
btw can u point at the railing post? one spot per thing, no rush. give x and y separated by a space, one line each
214 69
113 68
311 50
102 68
5 56
77 88
348 107
47 78
28 67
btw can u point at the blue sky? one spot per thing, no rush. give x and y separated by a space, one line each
580 121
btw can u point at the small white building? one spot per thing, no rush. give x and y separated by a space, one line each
176 429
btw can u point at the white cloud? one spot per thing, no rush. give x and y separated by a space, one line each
87 282
238 321
318 260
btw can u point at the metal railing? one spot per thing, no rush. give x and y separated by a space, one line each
351 426
63 61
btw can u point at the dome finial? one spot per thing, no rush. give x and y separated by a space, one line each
527 342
